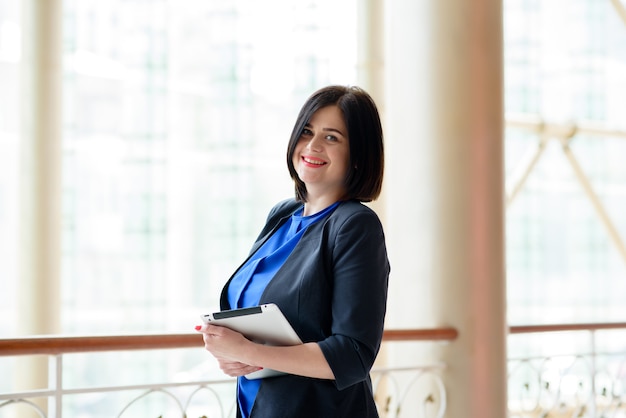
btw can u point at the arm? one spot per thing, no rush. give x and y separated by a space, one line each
359 297
239 356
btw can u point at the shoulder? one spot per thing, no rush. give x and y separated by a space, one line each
352 208
350 212
284 208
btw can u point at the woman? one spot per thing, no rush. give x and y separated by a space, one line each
321 257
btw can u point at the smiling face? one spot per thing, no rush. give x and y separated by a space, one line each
322 155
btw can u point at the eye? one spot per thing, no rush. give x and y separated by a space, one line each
332 138
306 132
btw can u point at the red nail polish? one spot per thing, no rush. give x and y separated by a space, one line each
198 327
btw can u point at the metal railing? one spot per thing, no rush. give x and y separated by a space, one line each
574 375
579 373
392 385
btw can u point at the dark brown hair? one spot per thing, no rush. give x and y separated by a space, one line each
364 178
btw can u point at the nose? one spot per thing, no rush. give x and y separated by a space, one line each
315 143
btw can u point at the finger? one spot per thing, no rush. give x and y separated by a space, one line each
203 329
216 330
226 363
239 370
211 329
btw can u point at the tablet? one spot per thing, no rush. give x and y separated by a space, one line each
263 324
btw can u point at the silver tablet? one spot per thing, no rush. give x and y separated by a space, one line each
263 324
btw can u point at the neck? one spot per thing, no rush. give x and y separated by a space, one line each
316 204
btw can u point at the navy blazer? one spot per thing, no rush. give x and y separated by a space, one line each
333 290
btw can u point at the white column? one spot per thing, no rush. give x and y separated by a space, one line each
40 181
370 48
371 65
445 190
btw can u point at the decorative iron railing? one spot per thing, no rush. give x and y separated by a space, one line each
574 371
210 397
580 372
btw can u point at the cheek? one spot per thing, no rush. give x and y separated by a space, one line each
346 161
295 159
296 153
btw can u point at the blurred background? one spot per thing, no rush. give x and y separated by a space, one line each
174 118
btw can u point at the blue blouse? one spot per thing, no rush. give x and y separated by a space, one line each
249 282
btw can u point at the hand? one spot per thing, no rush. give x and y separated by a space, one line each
239 356
226 345
235 368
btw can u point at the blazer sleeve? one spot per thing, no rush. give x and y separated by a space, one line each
360 269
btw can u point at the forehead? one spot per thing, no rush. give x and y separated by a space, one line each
328 117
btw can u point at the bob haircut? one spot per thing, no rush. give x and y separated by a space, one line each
364 178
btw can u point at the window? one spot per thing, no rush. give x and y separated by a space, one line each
566 65
177 116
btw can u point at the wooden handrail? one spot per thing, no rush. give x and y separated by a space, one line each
434 334
529 329
61 344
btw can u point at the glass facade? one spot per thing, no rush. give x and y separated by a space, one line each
565 63
176 124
